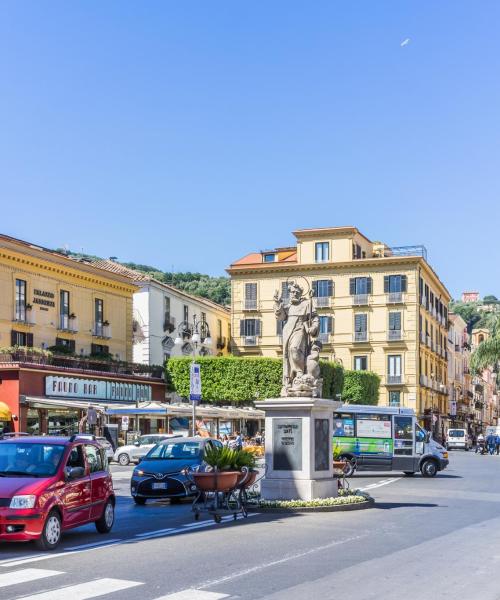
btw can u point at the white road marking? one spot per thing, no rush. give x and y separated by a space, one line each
25 575
280 561
372 486
87 590
194 595
16 562
94 544
155 532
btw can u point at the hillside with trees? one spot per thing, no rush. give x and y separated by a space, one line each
482 314
217 289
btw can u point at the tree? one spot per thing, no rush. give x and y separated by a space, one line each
490 299
487 354
468 311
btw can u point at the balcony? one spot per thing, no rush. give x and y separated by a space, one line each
394 335
322 302
250 304
394 380
25 317
395 298
360 336
102 330
360 300
324 338
68 324
249 340
46 359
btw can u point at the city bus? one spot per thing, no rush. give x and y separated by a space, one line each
382 438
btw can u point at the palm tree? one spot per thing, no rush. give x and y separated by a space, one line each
487 354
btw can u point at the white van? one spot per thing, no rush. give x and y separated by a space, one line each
458 438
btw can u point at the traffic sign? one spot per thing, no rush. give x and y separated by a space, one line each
125 422
195 383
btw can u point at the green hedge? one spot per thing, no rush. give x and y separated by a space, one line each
241 380
361 387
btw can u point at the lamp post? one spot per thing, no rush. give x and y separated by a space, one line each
197 335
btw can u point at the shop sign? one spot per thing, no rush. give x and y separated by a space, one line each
44 298
97 389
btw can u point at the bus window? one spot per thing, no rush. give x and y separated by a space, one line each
343 425
403 436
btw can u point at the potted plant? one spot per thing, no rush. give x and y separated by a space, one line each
224 475
245 461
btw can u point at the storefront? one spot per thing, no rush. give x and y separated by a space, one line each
50 401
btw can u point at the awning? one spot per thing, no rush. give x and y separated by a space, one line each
40 402
5 414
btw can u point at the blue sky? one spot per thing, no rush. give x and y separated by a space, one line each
187 134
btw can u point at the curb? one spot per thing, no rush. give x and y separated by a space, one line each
308 509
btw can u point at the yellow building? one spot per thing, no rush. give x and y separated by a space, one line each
381 309
48 299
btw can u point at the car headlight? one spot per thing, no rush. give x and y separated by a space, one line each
139 472
23 501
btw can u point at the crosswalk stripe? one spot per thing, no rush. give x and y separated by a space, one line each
155 532
86 591
193 595
25 575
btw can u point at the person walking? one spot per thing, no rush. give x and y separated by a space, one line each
497 443
480 444
491 443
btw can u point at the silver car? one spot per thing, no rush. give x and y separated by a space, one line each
134 452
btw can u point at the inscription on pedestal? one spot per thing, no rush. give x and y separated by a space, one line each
287 444
321 444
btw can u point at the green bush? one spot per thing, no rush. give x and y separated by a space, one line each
240 380
361 387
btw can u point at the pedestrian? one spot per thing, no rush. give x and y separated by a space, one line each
491 443
258 438
225 440
239 441
480 444
497 443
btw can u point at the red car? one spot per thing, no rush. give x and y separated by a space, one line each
50 484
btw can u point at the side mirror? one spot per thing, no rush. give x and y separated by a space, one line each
74 473
136 443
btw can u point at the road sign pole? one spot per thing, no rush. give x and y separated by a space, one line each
194 390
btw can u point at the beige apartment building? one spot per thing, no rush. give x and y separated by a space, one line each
381 309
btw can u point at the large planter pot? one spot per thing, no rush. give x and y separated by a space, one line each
248 479
216 481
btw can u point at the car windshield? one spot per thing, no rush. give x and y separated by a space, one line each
25 459
456 433
173 450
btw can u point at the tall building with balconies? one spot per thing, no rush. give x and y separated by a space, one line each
380 309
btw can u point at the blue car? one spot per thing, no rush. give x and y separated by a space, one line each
160 474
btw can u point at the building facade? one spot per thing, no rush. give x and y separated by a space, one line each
381 309
159 310
65 341
484 388
461 406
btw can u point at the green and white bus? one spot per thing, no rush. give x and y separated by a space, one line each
382 438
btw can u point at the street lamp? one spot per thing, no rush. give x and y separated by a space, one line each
197 335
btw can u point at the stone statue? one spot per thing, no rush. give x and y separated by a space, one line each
300 347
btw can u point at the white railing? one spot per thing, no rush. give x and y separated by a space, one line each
394 379
322 302
395 297
324 337
360 299
101 330
250 340
394 335
360 336
250 304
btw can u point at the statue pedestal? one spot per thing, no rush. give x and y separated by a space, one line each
299 454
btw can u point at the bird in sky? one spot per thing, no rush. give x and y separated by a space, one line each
405 42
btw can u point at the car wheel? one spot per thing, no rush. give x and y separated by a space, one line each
350 467
105 523
429 468
51 533
139 500
124 459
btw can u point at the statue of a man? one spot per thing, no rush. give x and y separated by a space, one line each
300 327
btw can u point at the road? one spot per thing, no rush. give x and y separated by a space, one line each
434 538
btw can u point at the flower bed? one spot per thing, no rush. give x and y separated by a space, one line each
346 500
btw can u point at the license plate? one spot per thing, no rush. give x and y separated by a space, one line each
159 486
